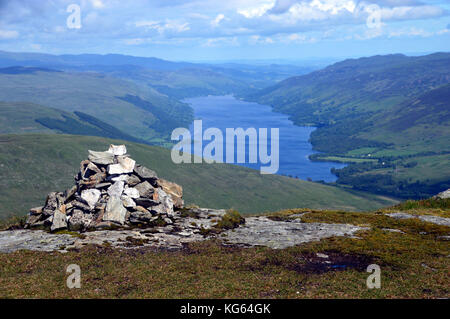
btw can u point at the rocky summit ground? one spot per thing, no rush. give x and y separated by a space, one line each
191 225
215 254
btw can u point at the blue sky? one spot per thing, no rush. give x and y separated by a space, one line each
207 30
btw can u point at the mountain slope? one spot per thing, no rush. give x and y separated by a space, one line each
354 88
394 109
32 165
99 96
19 117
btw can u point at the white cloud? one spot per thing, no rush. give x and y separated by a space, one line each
216 21
8 34
333 6
411 32
298 38
258 11
406 13
215 42
162 27
98 4
257 39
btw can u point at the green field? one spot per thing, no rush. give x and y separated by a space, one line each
341 159
32 165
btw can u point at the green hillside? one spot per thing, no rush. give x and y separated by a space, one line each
392 109
97 95
32 165
20 117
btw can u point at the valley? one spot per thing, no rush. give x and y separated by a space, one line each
388 116
382 122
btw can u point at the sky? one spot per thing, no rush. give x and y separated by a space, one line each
226 30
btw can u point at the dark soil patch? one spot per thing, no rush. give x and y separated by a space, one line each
336 261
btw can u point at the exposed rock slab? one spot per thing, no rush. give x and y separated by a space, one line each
257 231
426 218
261 231
38 240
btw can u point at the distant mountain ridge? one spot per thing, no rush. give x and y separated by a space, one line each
175 79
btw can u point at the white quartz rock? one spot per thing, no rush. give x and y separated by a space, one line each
91 197
125 166
117 150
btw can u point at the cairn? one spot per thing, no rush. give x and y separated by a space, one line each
111 191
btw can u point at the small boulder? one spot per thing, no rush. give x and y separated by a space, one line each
132 192
91 197
115 211
36 211
80 221
116 189
101 158
59 221
175 192
145 190
145 173
117 150
125 166
128 202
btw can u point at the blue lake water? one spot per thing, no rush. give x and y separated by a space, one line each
227 112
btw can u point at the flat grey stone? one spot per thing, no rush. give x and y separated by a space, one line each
116 189
258 231
37 240
59 221
166 202
115 211
145 190
128 202
102 158
144 172
132 192
132 180
426 218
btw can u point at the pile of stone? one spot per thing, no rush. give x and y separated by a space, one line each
111 191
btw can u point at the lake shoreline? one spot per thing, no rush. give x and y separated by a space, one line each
295 148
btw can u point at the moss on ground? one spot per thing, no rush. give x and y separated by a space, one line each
231 219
